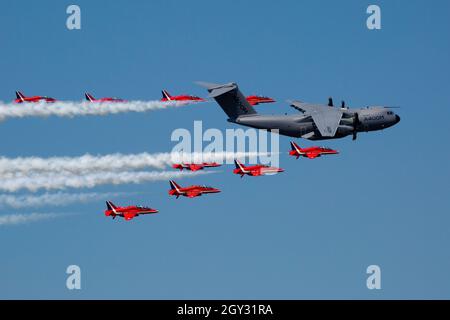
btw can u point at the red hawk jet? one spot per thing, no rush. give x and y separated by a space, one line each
254 100
90 98
311 152
191 191
127 213
257 170
168 97
20 98
194 166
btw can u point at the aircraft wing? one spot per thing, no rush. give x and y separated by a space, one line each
193 194
129 216
146 212
312 155
326 118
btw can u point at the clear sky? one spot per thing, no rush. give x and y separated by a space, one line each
310 232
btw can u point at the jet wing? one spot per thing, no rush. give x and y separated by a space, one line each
146 212
193 167
193 194
313 155
326 118
129 216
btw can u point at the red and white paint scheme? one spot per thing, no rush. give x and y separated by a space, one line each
167 97
194 166
254 100
21 98
311 152
127 213
191 191
90 98
256 170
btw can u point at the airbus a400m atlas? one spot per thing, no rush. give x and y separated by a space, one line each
315 121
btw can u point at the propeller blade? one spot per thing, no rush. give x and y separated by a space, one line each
330 102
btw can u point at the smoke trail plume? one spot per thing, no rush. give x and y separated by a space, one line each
52 181
11 167
12 219
52 199
74 109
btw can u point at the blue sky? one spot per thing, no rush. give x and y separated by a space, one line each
310 232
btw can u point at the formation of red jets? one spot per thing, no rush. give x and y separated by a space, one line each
193 191
176 190
166 97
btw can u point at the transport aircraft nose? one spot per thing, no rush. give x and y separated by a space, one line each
397 119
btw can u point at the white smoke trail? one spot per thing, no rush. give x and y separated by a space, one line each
52 199
12 219
73 108
11 167
49 181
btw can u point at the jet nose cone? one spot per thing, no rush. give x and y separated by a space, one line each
397 119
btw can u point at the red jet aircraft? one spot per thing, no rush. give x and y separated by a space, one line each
90 98
254 100
311 152
20 98
127 213
194 166
191 191
257 170
168 97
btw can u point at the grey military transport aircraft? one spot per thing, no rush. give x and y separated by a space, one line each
315 121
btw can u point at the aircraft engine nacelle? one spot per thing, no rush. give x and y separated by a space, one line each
347 121
344 130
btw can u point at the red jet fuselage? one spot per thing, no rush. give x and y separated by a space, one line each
256 170
191 191
127 213
195 166
168 97
254 100
311 152
90 98
21 98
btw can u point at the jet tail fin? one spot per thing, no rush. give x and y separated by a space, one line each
89 97
20 96
110 206
174 185
166 95
295 146
230 99
238 165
